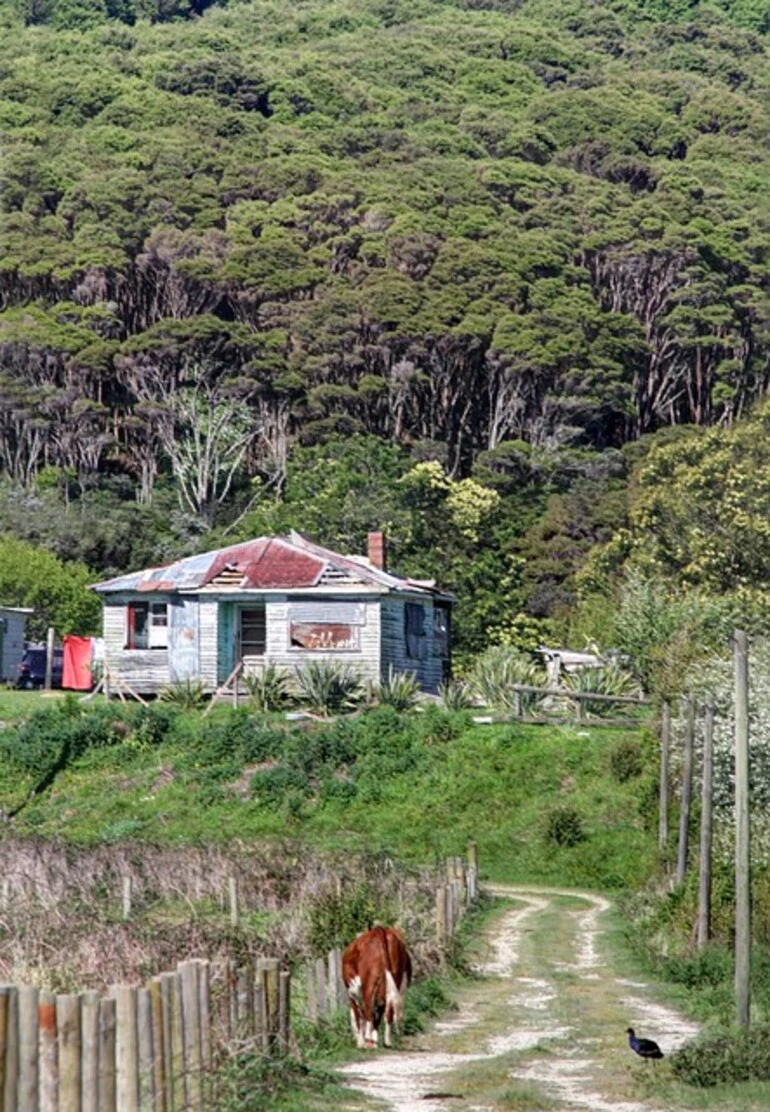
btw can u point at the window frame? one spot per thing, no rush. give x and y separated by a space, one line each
155 621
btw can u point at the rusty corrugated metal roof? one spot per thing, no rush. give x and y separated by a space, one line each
266 563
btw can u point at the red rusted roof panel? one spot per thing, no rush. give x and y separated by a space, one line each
282 565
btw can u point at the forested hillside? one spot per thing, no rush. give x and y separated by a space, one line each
429 264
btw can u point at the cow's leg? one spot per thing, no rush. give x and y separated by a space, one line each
389 1025
357 1024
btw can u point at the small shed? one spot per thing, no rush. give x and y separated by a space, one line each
13 620
558 661
273 600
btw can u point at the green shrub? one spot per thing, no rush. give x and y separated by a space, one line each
626 760
564 827
186 695
724 1057
328 687
496 674
269 689
270 785
439 727
398 690
606 679
335 918
456 695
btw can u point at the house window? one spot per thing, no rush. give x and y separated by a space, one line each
326 626
414 630
147 625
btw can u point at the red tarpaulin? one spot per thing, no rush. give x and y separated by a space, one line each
77 663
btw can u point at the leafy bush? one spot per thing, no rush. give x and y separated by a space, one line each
398 689
564 827
336 917
186 695
496 674
328 687
271 785
607 679
626 761
456 695
724 1057
270 688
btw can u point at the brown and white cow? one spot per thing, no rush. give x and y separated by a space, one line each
377 970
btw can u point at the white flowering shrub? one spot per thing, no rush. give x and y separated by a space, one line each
714 682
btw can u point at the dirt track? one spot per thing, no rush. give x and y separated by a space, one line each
548 1015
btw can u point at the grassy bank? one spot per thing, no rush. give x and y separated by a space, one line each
564 805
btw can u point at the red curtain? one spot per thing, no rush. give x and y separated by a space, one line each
77 663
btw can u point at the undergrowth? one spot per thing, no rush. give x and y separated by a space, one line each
417 785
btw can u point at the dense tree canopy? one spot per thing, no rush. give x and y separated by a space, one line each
510 236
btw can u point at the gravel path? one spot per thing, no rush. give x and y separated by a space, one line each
548 1012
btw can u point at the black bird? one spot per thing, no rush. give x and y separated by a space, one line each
645 1048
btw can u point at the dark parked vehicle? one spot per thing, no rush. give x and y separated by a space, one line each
32 667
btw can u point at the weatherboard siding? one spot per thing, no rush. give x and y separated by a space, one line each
429 668
365 659
208 643
145 670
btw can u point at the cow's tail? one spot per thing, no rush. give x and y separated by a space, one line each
394 997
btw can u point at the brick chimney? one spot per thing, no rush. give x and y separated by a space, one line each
376 550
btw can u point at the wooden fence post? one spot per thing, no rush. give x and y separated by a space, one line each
284 1011
207 1046
161 1073
49 1063
665 750
127 896
311 998
332 983
684 811
146 1050
235 915
191 1027
126 1048
89 1026
742 833
442 927
70 1051
108 1081
9 1047
270 977
29 1061
704 880
320 972
473 856
50 645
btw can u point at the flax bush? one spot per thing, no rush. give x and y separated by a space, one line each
328 687
498 671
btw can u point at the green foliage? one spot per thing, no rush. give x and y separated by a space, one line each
606 679
328 687
30 576
626 760
725 1056
270 688
564 827
441 262
337 916
398 690
417 785
186 694
456 695
496 674
250 1079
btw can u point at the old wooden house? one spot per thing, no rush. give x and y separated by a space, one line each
280 600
